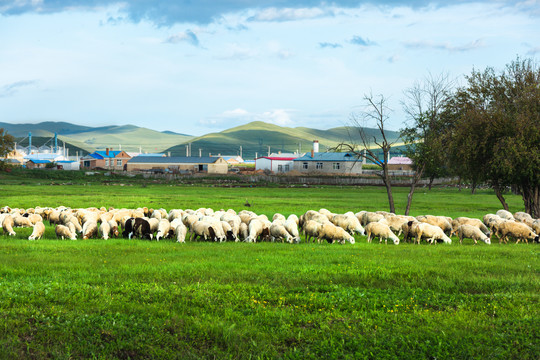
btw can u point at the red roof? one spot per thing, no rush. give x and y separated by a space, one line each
279 158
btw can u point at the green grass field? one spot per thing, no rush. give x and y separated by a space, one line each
139 299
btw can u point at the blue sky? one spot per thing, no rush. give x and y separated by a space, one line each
196 67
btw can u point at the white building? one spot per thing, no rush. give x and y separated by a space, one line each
277 163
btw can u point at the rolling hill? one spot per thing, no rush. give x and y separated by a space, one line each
256 138
127 137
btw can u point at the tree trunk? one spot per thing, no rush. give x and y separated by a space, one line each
431 179
386 180
473 187
500 196
416 178
531 200
459 184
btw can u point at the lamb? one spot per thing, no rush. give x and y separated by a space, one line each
63 232
7 225
37 233
104 230
382 231
278 231
333 233
468 221
430 232
312 229
348 222
181 232
471 232
505 214
516 230
164 226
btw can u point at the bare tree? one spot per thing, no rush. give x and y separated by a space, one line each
423 104
376 111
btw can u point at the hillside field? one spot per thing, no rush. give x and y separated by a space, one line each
133 299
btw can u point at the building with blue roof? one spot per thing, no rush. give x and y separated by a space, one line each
106 159
328 163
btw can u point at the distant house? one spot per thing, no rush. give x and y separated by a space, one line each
328 163
192 164
108 159
276 162
232 159
37 164
68 165
400 163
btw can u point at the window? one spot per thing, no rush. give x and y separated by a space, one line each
280 168
319 165
106 162
304 165
337 166
119 162
287 168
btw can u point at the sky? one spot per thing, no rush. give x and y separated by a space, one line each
196 67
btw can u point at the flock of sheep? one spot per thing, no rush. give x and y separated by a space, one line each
209 225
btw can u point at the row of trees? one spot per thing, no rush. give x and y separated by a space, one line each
486 132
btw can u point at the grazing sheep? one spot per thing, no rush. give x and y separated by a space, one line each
440 221
154 223
21 221
141 229
104 230
258 230
228 231
278 216
35 218
536 226
471 232
516 230
507 215
312 229
395 222
333 233
468 221
73 220
431 233
37 233
243 232
348 222
114 227
89 229
278 231
382 231
164 226
202 229
327 213
294 218
63 232
181 232
7 225
369 217
292 228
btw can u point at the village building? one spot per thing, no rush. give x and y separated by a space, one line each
108 160
400 163
277 163
328 163
178 164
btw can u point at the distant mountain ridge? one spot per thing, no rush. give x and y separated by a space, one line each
255 139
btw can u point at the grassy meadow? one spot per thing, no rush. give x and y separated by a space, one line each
133 299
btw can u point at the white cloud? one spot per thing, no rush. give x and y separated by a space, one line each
290 14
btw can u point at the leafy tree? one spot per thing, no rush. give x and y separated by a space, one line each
6 145
494 131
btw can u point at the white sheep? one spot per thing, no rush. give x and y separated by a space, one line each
516 230
333 233
114 227
368 217
429 232
104 230
35 218
37 233
312 229
243 232
164 226
154 223
181 232
89 229
536 226
382 231
294 218
278 216
469 221
471 232
7 225
278 231
257 229
348 222
440 221
228 230
292 228
202 229
505 214
63 232
21 221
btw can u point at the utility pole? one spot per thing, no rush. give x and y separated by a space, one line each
240 151
268 150
200 152
187 150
